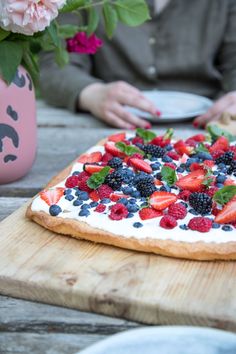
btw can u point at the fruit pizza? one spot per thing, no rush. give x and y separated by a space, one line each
150 193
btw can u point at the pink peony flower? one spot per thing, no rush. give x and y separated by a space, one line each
28 16
83 44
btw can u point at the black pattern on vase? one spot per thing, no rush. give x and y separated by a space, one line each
19 80
30 82
9 158
13 114
6 131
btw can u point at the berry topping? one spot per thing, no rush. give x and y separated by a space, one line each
228 213
149 213
83 176
115 162
200 224
72 181
92 168
137 225
161 200
221 143
192 182
52 196
83 185
184 195
201 203
178 211
118 212
106 157
137 140
232 168
113 150
226 158
117 137
153 150
104 191
114 180
168 222
173 155
140 165
54 210
181 148
91 158
100 208
94 196
145 185
117 196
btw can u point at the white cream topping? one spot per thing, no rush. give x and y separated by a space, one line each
125 227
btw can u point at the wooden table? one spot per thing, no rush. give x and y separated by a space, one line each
27 327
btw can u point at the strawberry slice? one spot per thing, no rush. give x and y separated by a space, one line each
182 148
92 168
221 143
192 182
161 200
157 182
52 196
149 213
94 196
90 158
113 150
160 141
230 182
228 213
140 165
199 138
117 137
116 196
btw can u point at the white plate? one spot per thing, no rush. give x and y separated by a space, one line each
167 340
175 106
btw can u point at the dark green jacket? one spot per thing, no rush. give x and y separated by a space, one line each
190 46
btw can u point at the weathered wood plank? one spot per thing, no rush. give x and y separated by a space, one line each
8 205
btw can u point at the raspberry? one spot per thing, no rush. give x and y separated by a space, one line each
168 222
83 176
72 182
94 196
184 195
233 224
170 164
178 211
211 191
200 224
137 140
196 166
100 208
104 191
191 142
83 185
106 157
173 155
217 153
118 212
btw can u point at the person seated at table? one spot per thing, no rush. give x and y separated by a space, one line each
188 46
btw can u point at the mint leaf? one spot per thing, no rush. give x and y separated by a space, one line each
225 194
128 149
168 175
98 178
201 148
215 131
208 179
146 135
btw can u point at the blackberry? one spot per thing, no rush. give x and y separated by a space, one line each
232 168
115 162
114 180
200 202
145 185
153 150
226 158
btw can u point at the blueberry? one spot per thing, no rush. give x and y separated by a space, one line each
165 189
219 185
204 156
132 201
130 215
67 191
220 179
135 194
75 173
132 208
78 192
153 158
158 176
123 201
137 225
127 190
180 169
85 206
192 211
83 196
54 210
227 228
93 204
69 197
215 173
155 166
168 147
215 225
167 159
105 201
221 166
84 212
190 161
143 199
183 227
77 202
144 205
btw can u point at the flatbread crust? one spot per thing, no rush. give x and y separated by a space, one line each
82 230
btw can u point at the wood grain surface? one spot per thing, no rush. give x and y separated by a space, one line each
39 265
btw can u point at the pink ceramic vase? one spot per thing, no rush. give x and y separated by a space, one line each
17 127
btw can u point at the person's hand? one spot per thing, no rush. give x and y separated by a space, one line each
107 101
226 103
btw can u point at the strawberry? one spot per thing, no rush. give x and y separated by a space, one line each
208 163
137 139
140 165
116 196
149 213
228 213
92 168
199 138
157 182
90 158
160 141
106 157
230 182
221 143
128 158
94 196
196 166
182 148
173 155
192 181
117 137
52 196
161 200
113 150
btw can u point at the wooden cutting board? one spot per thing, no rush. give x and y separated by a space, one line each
38 265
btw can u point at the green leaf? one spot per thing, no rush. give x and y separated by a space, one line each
225 194
128 150
146 135
132 12
61 56
168 175
30 63
110 19
72 5
10 58
53 34
201 148
67 31
93 20
98 178
4 34
215 131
